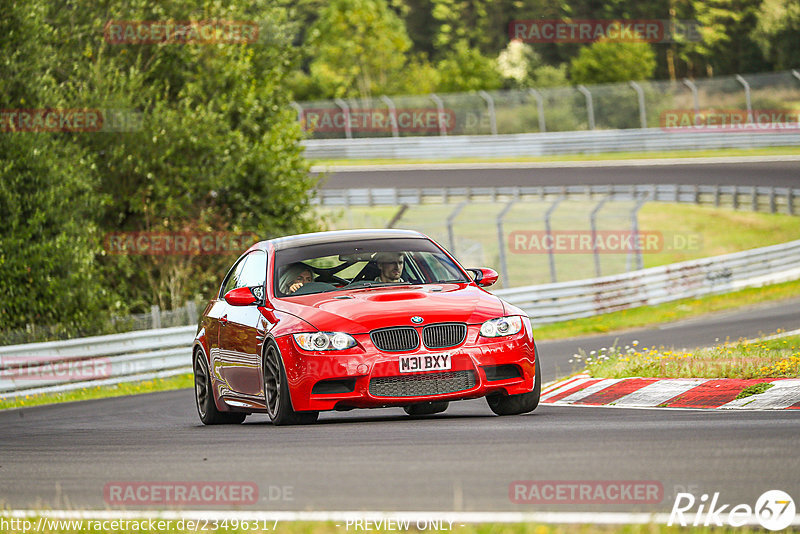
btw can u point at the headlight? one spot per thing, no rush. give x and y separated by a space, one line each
324 341
502 326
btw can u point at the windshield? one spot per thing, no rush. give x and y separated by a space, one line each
358 264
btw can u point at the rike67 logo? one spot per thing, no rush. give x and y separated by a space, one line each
774 510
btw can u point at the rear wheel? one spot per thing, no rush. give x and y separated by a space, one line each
204 396
276 392
426 408
522 403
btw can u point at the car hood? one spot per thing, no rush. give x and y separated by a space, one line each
361 310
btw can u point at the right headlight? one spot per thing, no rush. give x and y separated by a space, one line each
502 326
324 341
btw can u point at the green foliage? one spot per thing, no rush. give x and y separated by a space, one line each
466 69
778 32
725 46
358 48
609 61
217 150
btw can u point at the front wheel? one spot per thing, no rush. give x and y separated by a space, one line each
204 396
276 392
522 403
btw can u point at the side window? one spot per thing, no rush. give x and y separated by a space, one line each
255 270
231 282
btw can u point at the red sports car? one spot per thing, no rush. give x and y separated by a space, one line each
359 319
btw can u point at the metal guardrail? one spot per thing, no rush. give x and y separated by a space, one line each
542 144
78 363
755 198
720 274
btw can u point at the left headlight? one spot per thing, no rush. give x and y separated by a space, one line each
502 326
324 340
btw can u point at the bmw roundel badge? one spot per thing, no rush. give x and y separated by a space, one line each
417 319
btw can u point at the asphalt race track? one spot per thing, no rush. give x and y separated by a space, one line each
62 456
775 173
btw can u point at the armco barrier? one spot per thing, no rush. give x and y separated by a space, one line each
755 198
541 144
720 274
76 363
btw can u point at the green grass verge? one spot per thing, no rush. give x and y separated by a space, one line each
100 392
332 528
773 358
604 156
667 312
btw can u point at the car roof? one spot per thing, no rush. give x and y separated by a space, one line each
319 238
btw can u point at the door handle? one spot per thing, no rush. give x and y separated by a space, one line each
223 320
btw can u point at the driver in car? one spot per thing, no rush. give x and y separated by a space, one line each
294 277
390 265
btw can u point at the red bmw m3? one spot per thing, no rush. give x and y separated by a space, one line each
358 319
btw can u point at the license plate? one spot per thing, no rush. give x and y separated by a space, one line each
424 362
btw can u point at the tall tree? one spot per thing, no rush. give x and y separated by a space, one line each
358 48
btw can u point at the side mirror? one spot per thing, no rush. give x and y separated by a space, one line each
241 296
484 277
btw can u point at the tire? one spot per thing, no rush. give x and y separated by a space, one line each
426 408
522 403
276 392
204 396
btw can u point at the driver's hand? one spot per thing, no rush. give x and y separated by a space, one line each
294 287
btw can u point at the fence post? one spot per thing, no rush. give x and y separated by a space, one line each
392 113
300 113
191 312
539 108
716 196
451 237
642 110
501 242
690 84
746 86
790 199
593 226
754 200
772 199
440 113
549 235
635 233
589 105
490 107
348 132
155 316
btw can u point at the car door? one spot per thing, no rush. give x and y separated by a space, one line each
240 335
216 315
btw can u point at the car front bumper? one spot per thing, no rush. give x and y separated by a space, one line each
365 377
